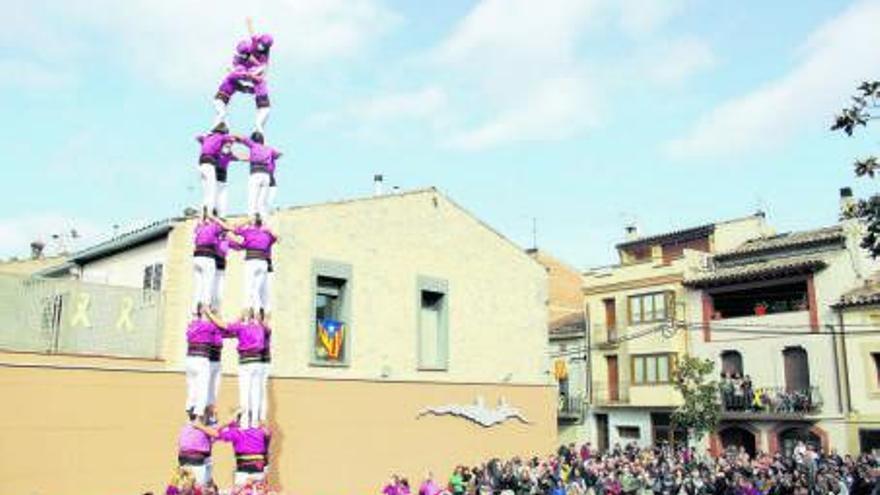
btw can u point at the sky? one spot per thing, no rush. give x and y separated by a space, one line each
584 115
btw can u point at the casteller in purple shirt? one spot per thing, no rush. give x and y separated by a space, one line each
202 331
246 441
261 154
191 439
207 233
256 238
251 336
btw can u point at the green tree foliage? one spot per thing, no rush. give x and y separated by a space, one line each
701 410
864 108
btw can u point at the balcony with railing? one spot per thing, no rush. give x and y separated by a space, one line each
605 394
571 408
768 402
605 337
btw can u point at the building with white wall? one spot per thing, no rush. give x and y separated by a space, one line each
766 317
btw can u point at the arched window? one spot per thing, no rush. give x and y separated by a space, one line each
797 369
732 363
736 437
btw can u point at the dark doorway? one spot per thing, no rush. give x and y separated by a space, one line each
602 432
737 437
788 439
869 441
797 369
664 433
732 363
610 320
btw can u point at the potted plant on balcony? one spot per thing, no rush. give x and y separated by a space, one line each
761 308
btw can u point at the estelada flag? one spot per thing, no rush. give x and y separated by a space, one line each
331 334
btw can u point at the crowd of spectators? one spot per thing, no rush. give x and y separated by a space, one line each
739 394
632 470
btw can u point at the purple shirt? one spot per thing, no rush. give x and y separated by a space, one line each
202 332
256 238
251 336
429 487
261 153
223 247
207 233
192 439
245 440
212 145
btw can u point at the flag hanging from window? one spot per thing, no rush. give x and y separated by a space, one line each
331 333
560 369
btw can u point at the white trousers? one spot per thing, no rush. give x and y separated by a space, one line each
270 198
250 392
221 108
258 194
200 473
204 269
254 282
264 393
221 199
213 382
217 288
208 175
242 478
266 289
198 378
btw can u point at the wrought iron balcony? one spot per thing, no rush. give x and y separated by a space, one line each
571 408
768 402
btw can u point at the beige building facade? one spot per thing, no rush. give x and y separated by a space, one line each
766 317
632 308
567 332
859 342
417 282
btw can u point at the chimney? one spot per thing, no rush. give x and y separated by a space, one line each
377 185
847 203
395 189
37 249
632 232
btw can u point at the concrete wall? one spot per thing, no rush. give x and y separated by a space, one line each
76 428
629 417
564 286
730 234
125 269
29 266
497 293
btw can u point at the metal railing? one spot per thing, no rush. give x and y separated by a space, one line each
769 401
605 337
571 407
71 317
606 395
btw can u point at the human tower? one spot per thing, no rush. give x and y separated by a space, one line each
215 238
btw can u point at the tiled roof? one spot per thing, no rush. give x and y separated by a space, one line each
860 297
679 235
869 293
788 240
758 270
